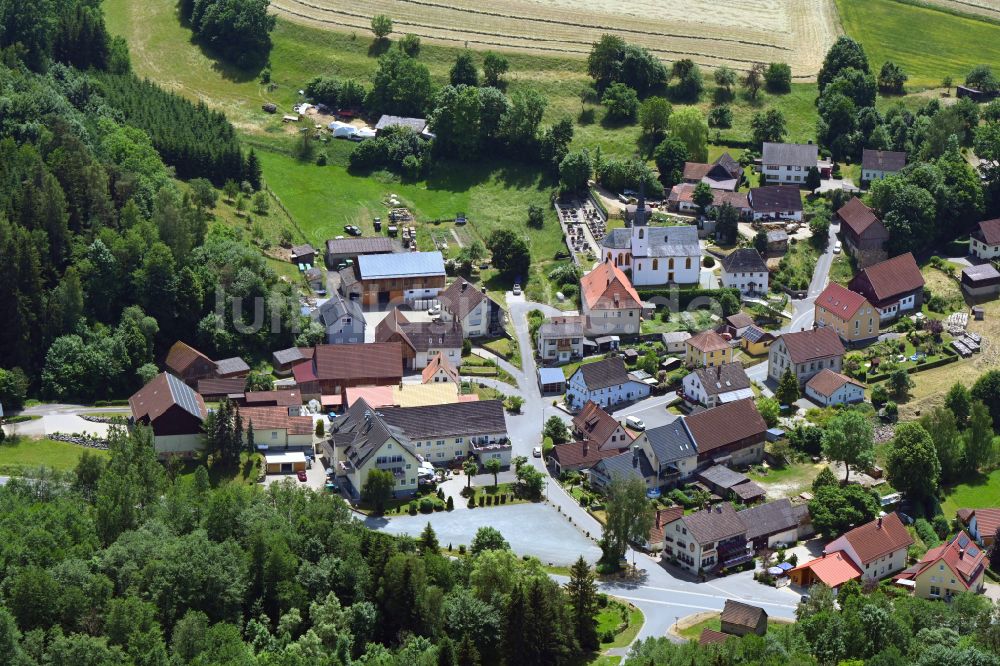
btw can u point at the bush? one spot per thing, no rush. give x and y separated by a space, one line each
941 527
450 505
461 549
926 533
472 502
482 500
426 505
413 508
709 261
608 636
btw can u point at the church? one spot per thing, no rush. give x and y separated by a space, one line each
654 255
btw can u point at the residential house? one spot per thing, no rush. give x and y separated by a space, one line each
708 540
746 270
877 548
894 286
383 279
654 255
776 524
775 202
273 426
283 359
361 441
577 456
560 339
740 619
340 250
189 364
441 370
731 434
675 343
828 388
708 349
444 433
725 173
332 368
421 341
628 464
716 385
681 200
729 484
671 451
877 164
848 313
948 570
343 320
832 569
863 232
655 541
610 304
175 413
756 341
985 240
477 314
303 254
806 353
982 524
981 282
735 325
788 163
593 424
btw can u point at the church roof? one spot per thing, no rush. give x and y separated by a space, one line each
677 241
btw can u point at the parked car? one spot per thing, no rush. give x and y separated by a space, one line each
635 423
537 452
301 474
517 289
838 247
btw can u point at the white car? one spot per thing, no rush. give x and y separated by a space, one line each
837 248
635 423
517 289
537 452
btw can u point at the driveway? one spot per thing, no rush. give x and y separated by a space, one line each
651 411
531 529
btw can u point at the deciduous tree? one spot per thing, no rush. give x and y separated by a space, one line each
912 464
629 517
850 439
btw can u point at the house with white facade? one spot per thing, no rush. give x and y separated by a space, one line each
606 383
894 286
421 341
788 163
343 320
708 540
654 255
671 451
477 313
877 548
985 240
593 424
775 203
712 386
806 353
830 388
877 164
611 304
675 343
560 339
746 270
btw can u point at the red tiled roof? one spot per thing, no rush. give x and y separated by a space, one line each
962 555
890 278
375 396
377 360
182 355
840 301
607 288
879 537
741 614
987 522
856 215
990 231
276 418
580 454
684 192
282 397
695 170
440 362
719 426
805 346
163 392
708 341
663 518
826 381
596 424
833 569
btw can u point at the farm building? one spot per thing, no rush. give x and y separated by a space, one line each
864 234
981 282
341 249
725 173
303 254
288 462
894 286
383 279
175 413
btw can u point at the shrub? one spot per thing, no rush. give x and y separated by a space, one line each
440 493
413 508
709 261
926 533
461 549
608 636
941 527
482 500
450 505
426 505
472 502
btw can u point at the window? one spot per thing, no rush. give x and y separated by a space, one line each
687 263
642 233
656 264
935 591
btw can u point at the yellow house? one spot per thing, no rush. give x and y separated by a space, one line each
948 570
848 313
755 341
708 349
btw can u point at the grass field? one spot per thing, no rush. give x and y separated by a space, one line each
610 618
27 454
981 492
928 44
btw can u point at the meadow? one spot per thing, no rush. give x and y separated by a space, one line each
24 454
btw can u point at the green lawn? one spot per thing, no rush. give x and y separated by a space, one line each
694 631
928 44
246 473
611 617
570 368
27 454
984 491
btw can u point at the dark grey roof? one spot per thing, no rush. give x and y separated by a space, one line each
723 378
671 442
457 419
744 260
714 524
722 476
462 297
229 366
676 241
625 465
427 335
774 199
605 373
771 518
290 355
359 246
882 160
299 250
675 336
336 307
362 432
793 154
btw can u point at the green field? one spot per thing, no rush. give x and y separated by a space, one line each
928 44
984 491
27 454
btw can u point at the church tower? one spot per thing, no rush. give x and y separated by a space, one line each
640 226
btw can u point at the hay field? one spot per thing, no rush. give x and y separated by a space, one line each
989 9
710 32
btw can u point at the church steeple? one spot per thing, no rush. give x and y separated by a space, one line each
639 220
640 244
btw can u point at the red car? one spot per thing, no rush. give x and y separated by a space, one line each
301 474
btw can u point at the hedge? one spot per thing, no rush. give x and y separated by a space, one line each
949 357
685 294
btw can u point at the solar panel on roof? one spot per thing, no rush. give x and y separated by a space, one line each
183 395
962 540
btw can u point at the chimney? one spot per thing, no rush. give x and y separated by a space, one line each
484 290
880 522
635 456
464 285
586 448
657 518
961 553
